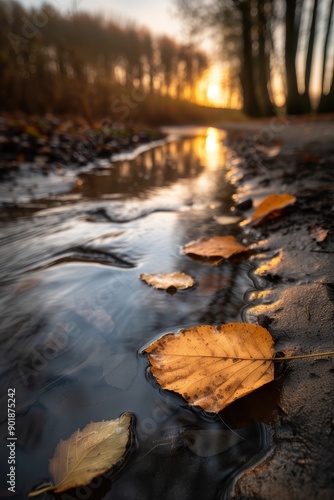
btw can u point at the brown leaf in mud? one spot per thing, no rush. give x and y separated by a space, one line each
318 234
88 453
272 205
212 366
163 281
218 246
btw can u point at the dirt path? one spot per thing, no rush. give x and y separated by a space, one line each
295 301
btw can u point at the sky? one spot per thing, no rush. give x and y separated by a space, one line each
157 15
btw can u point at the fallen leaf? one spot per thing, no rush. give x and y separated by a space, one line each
272 205
163 281
218 246
88 453
318 234
225 220
212 366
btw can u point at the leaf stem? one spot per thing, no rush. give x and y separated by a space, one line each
42 490
303 356
239 358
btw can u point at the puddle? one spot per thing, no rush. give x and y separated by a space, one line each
75 316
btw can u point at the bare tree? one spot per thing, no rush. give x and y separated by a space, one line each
326 102
82 64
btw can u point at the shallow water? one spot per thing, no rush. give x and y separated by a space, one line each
75 316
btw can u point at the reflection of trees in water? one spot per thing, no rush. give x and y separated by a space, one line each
218 297
226 304
154 168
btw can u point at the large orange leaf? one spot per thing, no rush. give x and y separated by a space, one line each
217 246
270 205
211 366
88 453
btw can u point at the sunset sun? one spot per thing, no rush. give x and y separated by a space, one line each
214 87
213 91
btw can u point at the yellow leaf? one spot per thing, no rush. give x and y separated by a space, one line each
271 204
212 366
88 453
218 246
163 281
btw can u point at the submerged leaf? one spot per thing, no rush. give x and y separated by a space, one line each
270 205
217 246
212 366
88 453
163 281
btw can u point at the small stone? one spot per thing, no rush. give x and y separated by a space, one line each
264 320
244 205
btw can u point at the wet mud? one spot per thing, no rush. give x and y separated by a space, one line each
293 297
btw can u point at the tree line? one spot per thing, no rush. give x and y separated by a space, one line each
84 64
279 51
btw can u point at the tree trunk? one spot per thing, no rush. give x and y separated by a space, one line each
330 97
309 58
322 106
250 102
327 101
294 104
268 109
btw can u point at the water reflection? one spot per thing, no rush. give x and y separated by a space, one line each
75 314
214 154
155 168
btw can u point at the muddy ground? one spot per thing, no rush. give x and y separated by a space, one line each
41 156
293 297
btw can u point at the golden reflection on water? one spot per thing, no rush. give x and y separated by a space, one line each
213 149
210 153
188 157
199 146
209 148
203 144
